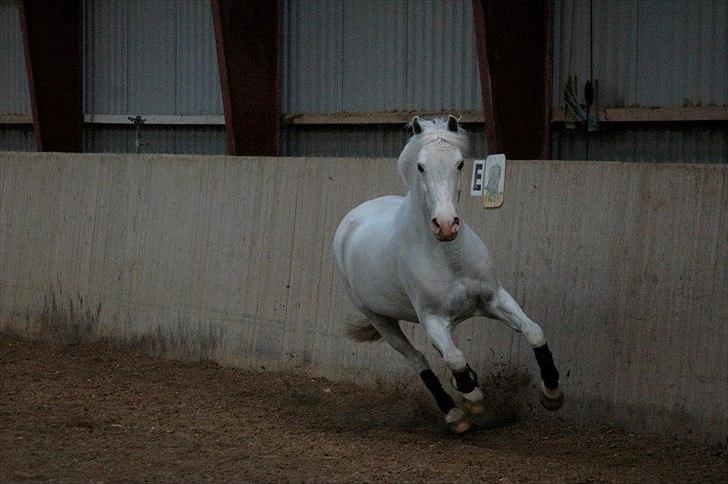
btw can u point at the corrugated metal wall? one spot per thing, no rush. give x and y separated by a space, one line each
379 55
16 138
155 139
158 57
376 55
14 93
647 53
151 57
14 98
362 141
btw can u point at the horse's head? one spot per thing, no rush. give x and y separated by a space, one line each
431 165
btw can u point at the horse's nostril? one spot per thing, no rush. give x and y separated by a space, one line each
434 221
456 221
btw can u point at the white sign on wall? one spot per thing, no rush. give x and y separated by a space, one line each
488 180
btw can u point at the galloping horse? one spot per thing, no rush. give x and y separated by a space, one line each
411 258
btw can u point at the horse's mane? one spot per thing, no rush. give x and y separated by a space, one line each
433 131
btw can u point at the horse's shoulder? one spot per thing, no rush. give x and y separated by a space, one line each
367 217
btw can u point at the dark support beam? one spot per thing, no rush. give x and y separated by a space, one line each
52 36
248 33
514 51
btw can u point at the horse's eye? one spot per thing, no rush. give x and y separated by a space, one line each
419 167
460 166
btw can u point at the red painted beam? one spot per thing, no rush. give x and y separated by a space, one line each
248 38
52 40
513 38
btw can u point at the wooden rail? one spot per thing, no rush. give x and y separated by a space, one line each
606 115
643 115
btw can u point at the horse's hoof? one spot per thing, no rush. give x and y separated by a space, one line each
473 402
457 422
474 408
551 399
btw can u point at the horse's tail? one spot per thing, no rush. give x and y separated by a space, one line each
362 331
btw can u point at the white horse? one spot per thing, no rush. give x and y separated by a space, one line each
411 258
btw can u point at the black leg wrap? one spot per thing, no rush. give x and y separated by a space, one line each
466 380
444 401
545 360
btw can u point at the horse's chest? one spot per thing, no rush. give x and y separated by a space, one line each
463 297
458 298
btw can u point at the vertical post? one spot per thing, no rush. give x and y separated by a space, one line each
52 40
247 35
513 38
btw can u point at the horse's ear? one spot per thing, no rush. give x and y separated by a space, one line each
416 125
452 124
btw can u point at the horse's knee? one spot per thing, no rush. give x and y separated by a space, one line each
503 307
534 335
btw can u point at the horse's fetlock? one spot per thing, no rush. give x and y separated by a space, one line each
466 380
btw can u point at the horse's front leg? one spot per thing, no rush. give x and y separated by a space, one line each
505 309
439 331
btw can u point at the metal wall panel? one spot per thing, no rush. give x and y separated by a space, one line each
106 56
150 57
380 141
108 139
666 53
442 65
568 145
197 90
571 46
313 48
614 143
156 139
375 55
14 94
698 143
200 140
612 46
377 141
689 144
151 63
366 55
615 51
16 138
682 56
647 52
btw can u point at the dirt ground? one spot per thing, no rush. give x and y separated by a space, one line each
86 412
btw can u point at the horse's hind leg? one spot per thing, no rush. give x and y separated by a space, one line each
390 330
505 309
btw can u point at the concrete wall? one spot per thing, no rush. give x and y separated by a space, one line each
624 265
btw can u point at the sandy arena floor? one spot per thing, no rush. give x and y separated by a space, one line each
85 412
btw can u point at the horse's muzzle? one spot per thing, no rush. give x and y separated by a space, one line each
445 231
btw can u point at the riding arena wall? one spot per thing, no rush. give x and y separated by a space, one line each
229 258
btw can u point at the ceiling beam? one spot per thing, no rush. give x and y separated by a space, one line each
248 39
52 36
513 39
